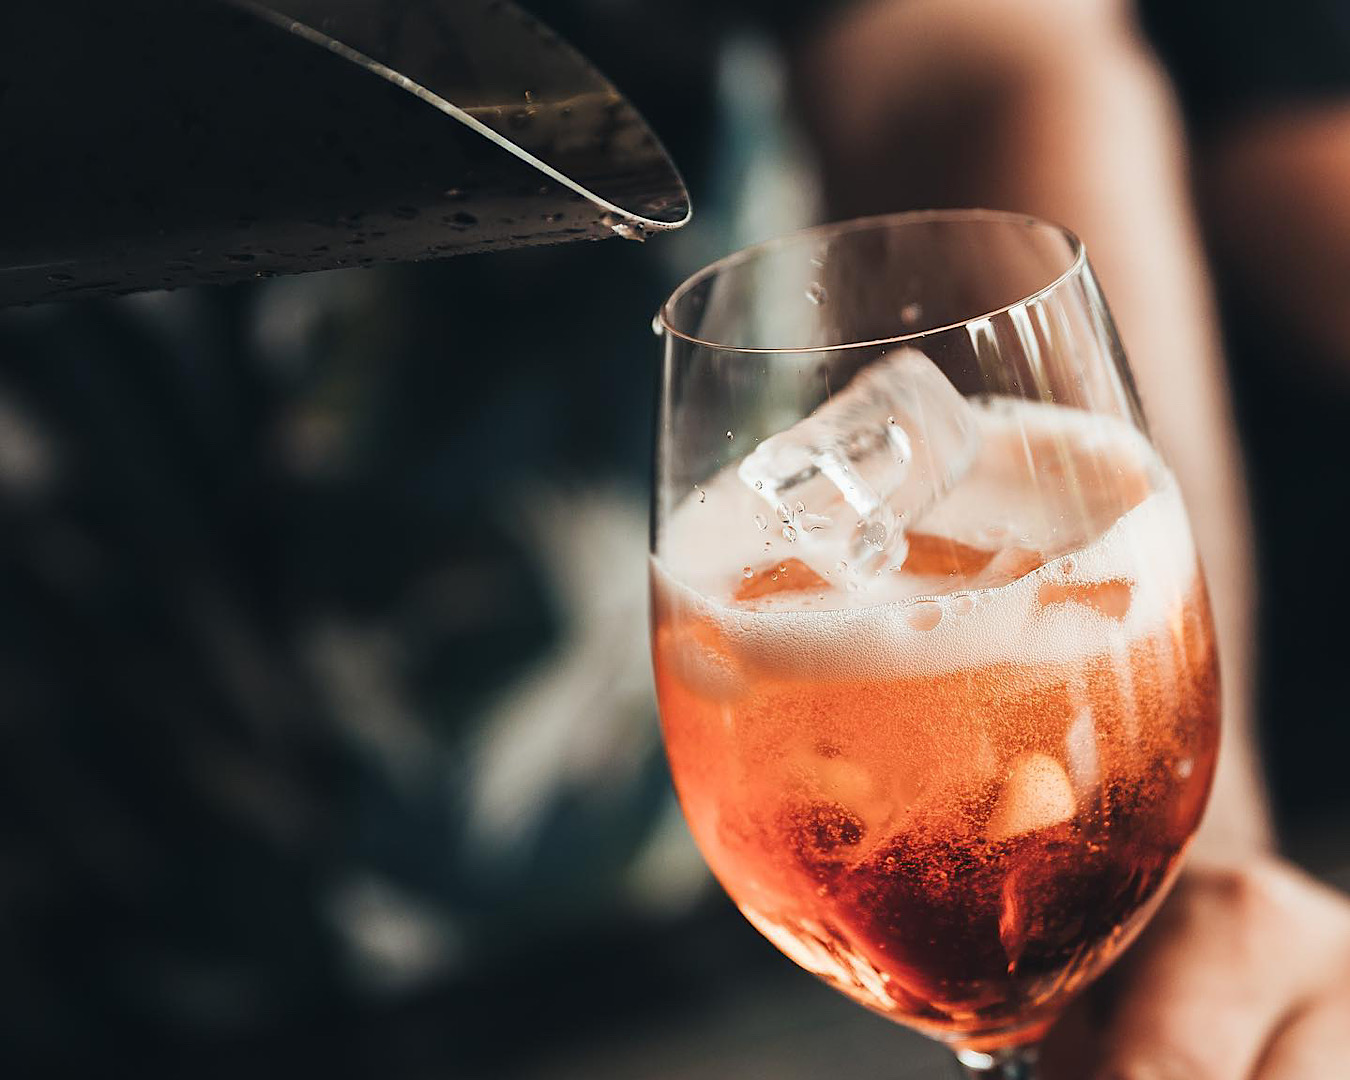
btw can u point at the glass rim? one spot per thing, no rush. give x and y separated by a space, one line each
874 222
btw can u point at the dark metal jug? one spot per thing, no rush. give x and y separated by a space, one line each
161 143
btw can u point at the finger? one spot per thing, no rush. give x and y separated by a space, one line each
1188 1025
1314 1044
1208 990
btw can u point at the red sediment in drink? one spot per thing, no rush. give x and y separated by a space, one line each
955 806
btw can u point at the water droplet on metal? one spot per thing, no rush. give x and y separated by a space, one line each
702 495
628 230
815 292
962 604
730 435
658 328
747 573
759 485
874 534
789 534
761 522
784 514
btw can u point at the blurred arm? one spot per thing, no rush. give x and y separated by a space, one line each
1055 107
1275 189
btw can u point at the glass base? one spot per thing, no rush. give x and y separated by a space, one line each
1018 1063
992 1041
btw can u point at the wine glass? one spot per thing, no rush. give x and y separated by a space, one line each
934 658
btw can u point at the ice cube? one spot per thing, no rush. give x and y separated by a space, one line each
950 563
1109 598
697 652
1008 565
829 776
1037 795
938 556
788 576
849 480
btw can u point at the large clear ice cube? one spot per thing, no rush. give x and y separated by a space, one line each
850 479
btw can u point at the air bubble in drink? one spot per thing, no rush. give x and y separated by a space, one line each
924 615
1037 794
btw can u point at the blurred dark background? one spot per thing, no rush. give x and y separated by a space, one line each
328 736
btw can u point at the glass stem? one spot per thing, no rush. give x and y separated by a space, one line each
1019 1063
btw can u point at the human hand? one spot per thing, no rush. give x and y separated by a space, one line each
1243 975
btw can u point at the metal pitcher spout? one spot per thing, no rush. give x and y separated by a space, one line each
164 143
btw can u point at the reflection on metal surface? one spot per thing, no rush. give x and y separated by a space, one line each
161 143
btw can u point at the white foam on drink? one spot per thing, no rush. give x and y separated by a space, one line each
874 631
